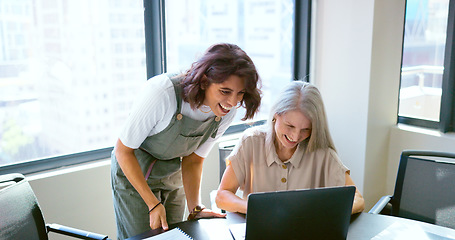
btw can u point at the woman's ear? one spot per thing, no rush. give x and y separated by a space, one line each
274 118
204 82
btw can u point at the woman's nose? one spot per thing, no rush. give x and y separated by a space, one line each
233 100
295 135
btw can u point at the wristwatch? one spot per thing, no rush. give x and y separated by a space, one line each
196 210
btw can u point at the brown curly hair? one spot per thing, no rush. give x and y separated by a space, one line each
218 63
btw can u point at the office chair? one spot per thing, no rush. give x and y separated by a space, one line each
21 216
424 188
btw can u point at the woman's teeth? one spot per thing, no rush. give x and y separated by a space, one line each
288 138
225 108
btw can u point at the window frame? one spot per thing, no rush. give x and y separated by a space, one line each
302 39
446 116
155 39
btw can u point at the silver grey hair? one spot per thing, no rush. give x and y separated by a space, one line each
304 97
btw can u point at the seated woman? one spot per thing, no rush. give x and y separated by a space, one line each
294 150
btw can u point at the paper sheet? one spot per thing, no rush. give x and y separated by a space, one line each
173 234
238 231
398 231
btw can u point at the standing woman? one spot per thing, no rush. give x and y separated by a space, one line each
171 129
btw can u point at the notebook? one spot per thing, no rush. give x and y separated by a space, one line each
322 213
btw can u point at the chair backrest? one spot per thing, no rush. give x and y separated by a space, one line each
20 214
425 187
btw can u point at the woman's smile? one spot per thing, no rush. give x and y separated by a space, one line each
222 97
290 140
291 128
224 108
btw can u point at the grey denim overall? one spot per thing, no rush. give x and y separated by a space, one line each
162 151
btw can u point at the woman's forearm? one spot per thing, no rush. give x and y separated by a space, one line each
130 167
225 197
191 176
359 203
230 202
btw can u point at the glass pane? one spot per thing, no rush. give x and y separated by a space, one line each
423 58
262 28
68 70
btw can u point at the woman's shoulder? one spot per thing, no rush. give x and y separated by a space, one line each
326 153
160 82
159 86
156 94
330 158
254 134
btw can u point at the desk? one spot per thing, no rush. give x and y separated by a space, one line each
363 226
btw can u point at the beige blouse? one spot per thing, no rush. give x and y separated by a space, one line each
258 168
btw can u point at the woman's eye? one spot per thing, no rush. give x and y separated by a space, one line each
225 92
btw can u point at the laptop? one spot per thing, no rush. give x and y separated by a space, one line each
322 213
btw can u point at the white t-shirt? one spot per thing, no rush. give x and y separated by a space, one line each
153 110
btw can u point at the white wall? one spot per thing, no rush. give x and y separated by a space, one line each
357 68
77 197
342 72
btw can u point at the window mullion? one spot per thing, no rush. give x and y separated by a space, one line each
302 30
155 43
448 87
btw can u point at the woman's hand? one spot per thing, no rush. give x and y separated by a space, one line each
208 213
158 218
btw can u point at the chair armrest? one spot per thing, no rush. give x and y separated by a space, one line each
73 232
377 208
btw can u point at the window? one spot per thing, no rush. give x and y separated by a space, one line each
262 28
278 58
427 80
68 69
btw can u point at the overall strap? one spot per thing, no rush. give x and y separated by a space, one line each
178 91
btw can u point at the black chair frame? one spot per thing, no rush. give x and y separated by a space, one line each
390 204
19 205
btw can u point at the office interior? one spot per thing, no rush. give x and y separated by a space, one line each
355 62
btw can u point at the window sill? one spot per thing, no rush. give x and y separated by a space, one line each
68 169
425 131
